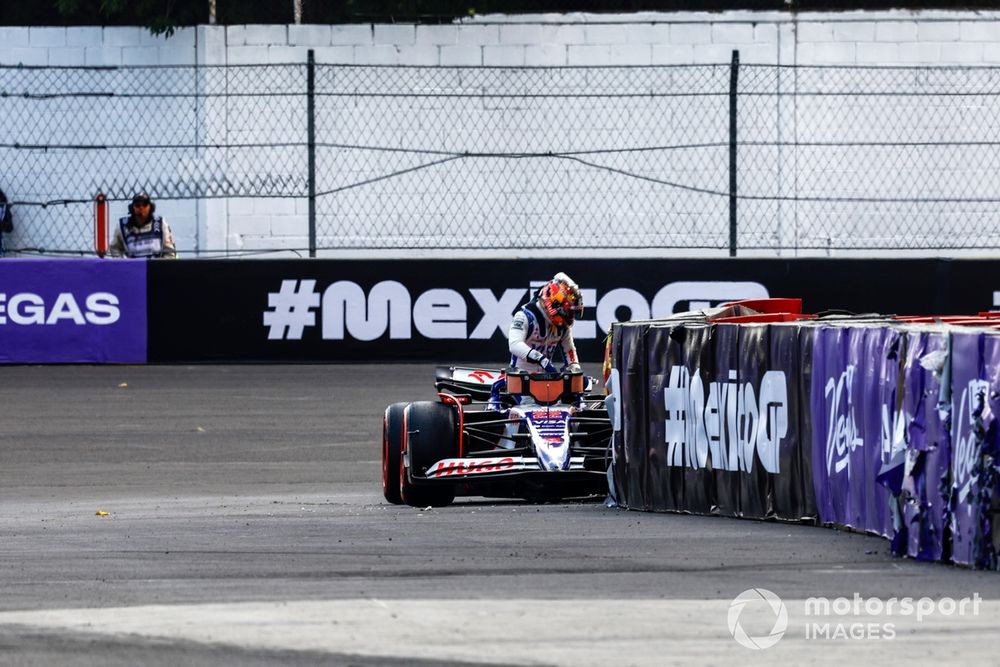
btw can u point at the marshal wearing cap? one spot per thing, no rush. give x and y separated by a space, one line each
142 234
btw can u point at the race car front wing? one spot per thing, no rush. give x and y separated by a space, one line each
494 467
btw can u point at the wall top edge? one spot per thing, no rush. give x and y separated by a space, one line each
732 16
736 16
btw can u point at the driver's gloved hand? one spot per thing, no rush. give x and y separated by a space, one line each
574 368
537 357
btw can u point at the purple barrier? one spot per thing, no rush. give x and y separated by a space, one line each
974 449
852 374
72 310
968 393
881 394
927 451
835 433
989 545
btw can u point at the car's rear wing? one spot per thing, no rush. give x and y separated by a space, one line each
474 382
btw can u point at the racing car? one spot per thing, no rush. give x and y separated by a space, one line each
496 433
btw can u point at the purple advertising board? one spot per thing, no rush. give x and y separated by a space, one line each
72 311
928 447
858 441
969 392
989 483
851 372
880 367
835 434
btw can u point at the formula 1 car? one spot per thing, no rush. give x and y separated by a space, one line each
536 436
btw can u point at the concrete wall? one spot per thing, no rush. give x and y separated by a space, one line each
852 38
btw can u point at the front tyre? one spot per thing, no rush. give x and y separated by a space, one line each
430 434
392 451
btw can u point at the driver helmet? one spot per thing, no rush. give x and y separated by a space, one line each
561 300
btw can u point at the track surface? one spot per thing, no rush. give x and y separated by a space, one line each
246 526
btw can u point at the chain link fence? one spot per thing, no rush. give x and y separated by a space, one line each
864 158
727 157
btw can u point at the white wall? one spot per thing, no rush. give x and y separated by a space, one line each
856 38
851 38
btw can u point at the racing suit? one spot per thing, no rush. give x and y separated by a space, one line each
533 340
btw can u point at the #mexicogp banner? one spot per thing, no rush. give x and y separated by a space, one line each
72 311
712 420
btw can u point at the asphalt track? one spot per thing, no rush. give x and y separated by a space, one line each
245 525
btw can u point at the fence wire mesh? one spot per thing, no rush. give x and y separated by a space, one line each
519 158
516 158
856 158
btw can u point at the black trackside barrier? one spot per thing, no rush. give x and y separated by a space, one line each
756 487
659 492
664 481
806 507
618 478
696 349
720 425
725 376
792 496
457 311
634 459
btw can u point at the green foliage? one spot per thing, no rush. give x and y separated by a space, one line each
161 17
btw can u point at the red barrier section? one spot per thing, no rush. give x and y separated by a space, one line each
775 305
762 318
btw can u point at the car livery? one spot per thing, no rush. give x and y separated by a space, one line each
497 433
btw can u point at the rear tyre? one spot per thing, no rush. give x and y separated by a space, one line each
392 449
430 434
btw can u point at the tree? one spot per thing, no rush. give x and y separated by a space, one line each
160 16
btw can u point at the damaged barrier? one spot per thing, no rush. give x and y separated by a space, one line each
873 424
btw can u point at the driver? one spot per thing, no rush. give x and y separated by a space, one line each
544 325
540 328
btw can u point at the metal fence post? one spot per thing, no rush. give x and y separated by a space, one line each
734 75
311 139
